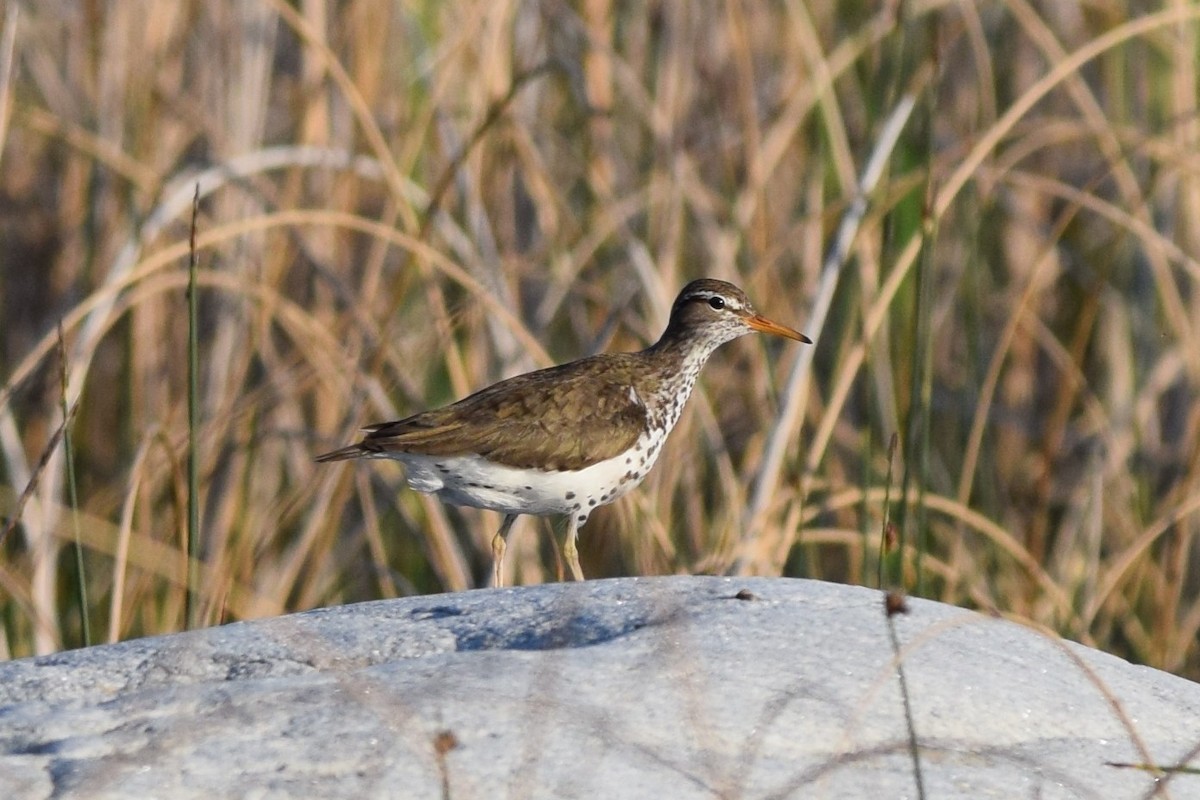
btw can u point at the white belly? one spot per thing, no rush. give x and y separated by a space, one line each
471 481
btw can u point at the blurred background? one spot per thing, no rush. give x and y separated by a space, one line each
401 202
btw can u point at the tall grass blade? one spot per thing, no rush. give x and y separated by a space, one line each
192 591
72 492
791 401
887 531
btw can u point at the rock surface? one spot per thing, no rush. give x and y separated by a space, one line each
635 688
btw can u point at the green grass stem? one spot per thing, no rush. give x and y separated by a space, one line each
73 494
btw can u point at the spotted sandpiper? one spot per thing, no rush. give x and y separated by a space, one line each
566 439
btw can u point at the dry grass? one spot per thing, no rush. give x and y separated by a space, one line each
404 202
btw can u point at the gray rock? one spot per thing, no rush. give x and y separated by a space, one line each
639 688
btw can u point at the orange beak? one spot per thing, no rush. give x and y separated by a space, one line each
760 323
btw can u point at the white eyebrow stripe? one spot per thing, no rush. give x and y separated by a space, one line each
731 302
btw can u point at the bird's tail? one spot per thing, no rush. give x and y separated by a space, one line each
344 454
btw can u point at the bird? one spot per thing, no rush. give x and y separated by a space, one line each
567 439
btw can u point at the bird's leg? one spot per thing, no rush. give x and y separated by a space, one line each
570 551
499 543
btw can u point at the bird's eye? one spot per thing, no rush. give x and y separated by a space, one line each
716 302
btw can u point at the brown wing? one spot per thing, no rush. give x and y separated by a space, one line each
563 417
